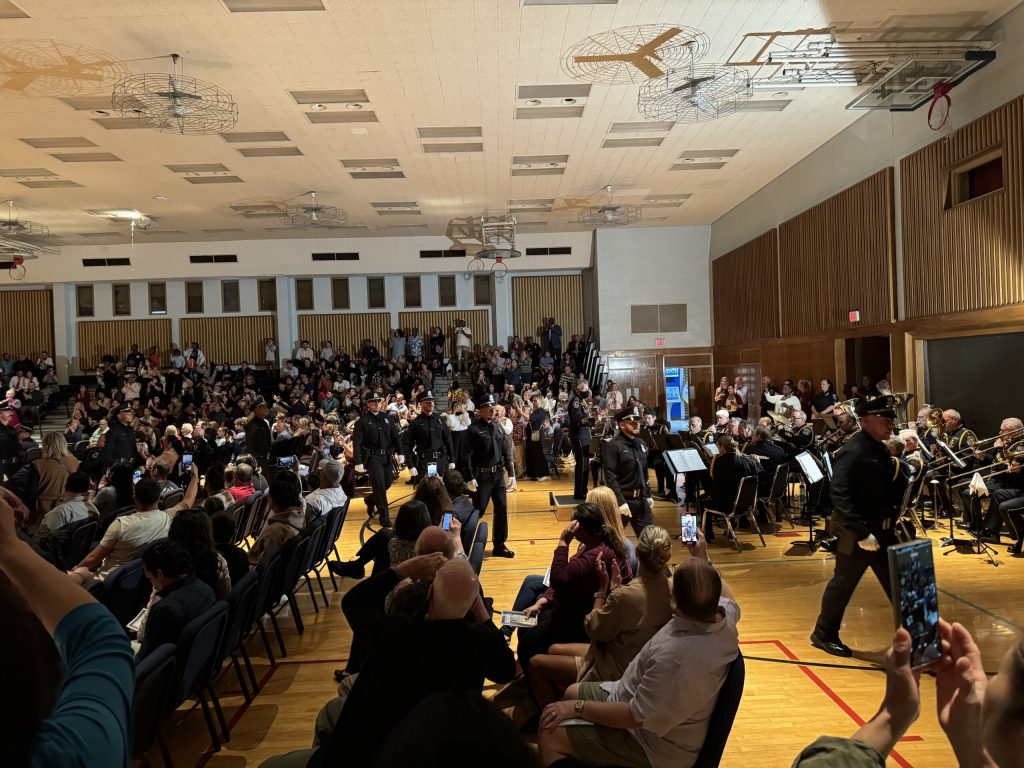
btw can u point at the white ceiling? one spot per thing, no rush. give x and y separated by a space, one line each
422 64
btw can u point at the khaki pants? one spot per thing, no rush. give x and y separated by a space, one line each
519 458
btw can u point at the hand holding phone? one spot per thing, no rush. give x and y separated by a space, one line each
916 598
446 521
688 526
285 461
186 463
432 469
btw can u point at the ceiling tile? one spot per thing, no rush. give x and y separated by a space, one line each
59 141
242 137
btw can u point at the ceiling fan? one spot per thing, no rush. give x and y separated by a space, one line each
632 54
610 213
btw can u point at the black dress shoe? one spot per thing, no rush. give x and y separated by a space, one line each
829 545
386 524
503 551
834 647
353 569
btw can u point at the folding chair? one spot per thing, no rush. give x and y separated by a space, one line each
776 498
746 499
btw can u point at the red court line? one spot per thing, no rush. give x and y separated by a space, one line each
828 691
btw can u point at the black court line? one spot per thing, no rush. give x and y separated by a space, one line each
986 611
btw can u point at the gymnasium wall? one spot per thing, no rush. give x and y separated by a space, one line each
745 291
27 327
538 297
97 338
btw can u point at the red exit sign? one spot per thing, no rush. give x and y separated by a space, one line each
659 342
854 315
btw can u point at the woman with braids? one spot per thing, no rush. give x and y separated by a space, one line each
193 530
622 620
561 610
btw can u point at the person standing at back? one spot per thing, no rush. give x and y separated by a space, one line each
119 443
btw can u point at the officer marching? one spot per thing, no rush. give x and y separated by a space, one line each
488 458
867 486
579 437
624 458
428 440
374 442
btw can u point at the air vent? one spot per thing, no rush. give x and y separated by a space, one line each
538 171
335 257
654 126
378 175
198 168
106 262
349 96
456 132
561 250
688 166
14 173
623 143
540 113
217 258
251 137
368 163
762 105
449 254
264 6
87 157
341 117
454 147
573 91
395 206
269 151
213 180
48 184
708 154
58 142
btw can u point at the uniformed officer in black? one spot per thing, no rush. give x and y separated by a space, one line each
579 438
867 487
624 458
375 442
428 440
119 443
258 438
487 460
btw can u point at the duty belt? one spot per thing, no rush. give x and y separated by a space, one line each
491 470
433 455
377 451
634 494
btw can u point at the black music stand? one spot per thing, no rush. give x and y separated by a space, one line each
812 473
952 541
683 460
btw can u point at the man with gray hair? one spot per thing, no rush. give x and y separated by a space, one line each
329 495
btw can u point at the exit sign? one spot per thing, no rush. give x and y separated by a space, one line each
659 342
854 315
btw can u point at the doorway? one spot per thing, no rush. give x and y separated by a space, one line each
866 357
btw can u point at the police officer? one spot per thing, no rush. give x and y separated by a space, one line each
488 458
579 438
257 433
119 444
429 440
625 469
867 487
374 442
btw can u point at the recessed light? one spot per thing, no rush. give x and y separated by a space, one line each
569 100
533 102
553 165
523 165
102 113
780 94
318 107
161 198
358 131
354 105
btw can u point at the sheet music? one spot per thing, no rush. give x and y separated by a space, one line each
810 468
685 460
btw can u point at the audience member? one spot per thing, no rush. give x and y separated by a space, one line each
223 527
74 506
192 529
284 521
330 494
388 548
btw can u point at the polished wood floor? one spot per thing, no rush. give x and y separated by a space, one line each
793 693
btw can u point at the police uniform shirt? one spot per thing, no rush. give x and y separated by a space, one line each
867 486
374 433
428 435
119 443
625 467
772 456
488 447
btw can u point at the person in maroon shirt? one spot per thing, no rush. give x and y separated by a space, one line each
574 580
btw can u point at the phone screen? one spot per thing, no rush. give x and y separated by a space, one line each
446 521
688 526
137 476
286 461
916 598
186 462
431 469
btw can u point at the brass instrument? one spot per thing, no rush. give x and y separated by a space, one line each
1014 455
935 426
847 407
779 419
1010 437
902 403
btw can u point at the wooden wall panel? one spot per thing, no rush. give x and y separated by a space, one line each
558 296
229 339
745 291
97 338
838 256
477 320
347 331
967 257
28 323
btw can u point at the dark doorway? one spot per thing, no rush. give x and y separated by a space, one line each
866 356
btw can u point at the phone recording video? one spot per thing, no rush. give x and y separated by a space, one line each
916 598
446 521
136 476
186 462
285 461
432 469
688 525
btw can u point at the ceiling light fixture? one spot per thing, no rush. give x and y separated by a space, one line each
15 226
610 214
354 105
318 107
569 100
533 102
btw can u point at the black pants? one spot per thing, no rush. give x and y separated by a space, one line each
581 453
550 629
641 515
666 483
381 477
441 460
1000 501
849 569
491 487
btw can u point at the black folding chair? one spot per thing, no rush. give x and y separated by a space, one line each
746 498
723 716
476 552
80 543
154 676
333 523
269 593
241 610
198 646
776 498
125 591
172 499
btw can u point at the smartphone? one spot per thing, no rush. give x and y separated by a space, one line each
446 521
688 526
517 619
303 470
916 598
186 462
285 461
136 476
432 469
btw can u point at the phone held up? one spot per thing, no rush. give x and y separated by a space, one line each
916 598
285 461
186 463
446 521
688 527
432 469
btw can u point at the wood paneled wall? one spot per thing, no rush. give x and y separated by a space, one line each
347 331
97 338
745 291
477 320
641 374
229 339
967 257
27 327
838 256
537 297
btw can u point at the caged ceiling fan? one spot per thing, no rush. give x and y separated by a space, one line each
609 213
634 54
694 95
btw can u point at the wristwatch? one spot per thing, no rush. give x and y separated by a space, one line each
579 707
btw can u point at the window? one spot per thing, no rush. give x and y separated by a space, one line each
335 257
158 298
446 291
106 262
304 294
454 253
411 285
561 250
194 298
658 318
83 297
217 258
229 298
481 289
267 291
339 293
122 299
979 176
376 296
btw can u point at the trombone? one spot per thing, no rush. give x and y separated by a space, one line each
1014 455
1010 437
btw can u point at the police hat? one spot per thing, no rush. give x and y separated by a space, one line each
129 371
257 403
374 397
487 402
125 409
884 406
428 396
6 406
632 413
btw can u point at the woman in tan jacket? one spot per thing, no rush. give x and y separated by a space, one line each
52 469
284 522
623 619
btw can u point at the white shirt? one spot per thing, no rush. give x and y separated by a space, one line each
323 500
129 532
463 337
270 352
614 400
458 423
326 353
790 402
305 354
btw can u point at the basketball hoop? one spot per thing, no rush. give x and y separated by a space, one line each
17 269
938 110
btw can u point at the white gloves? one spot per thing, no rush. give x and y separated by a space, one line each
624 510
512 482
401 459
451 465
472 485
650 502
413 472
870 543
360 469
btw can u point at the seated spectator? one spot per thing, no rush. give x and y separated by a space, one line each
161 473
74 506
621 622
604 499
243 487
329 495
387 548
181 596
41 482
126 534
92 715
283 523
116 490
224 541
215 482
462 505
259 482
431 491
658 712
193 530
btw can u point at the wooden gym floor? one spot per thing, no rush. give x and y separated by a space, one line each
793 693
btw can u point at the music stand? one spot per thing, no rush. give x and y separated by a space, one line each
813 475
684 460
711 448
675 442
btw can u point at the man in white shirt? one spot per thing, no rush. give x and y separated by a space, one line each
326 350
399 406
305 353
329 495
132 388
657 714
784 403
463 341
740 388
74 507
44 361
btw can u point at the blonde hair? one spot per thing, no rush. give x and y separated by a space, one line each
55 445
171 431
654 549
604 499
